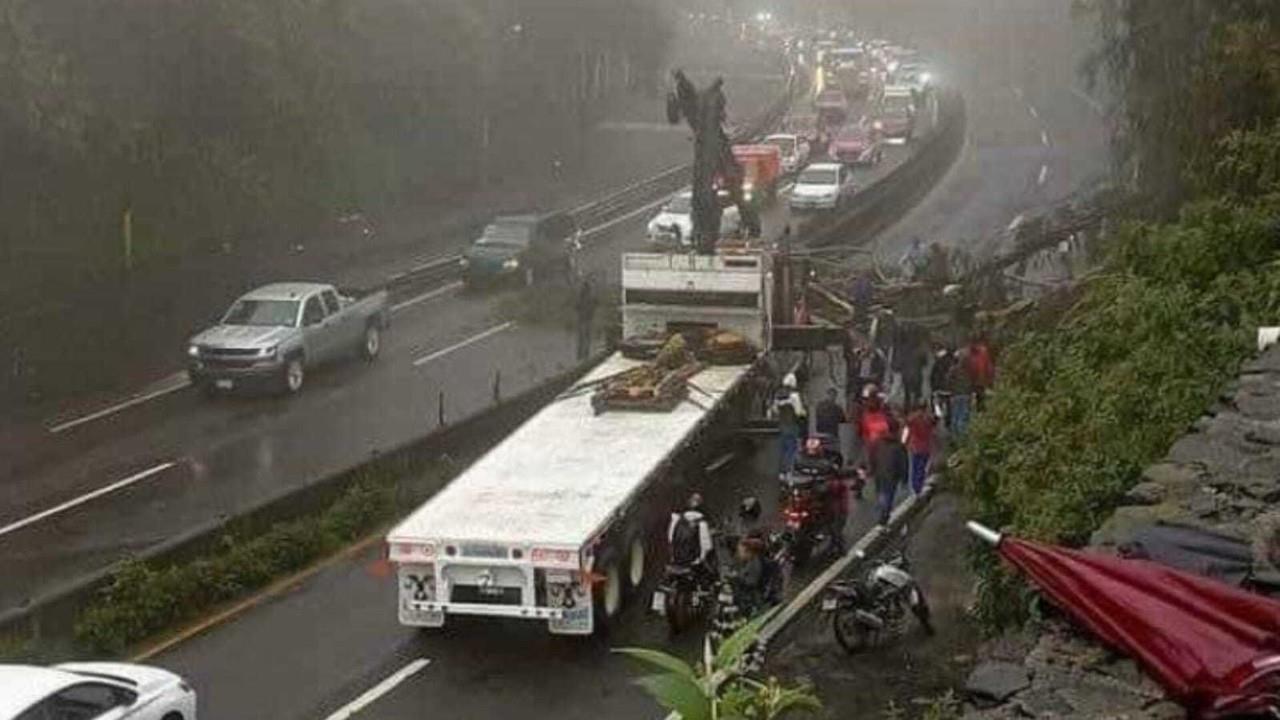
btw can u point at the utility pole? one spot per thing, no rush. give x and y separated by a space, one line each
704 111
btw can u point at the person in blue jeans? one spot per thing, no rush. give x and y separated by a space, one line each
961 396
889 468
792 419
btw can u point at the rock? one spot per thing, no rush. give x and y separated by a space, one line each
1265 489
997 681
1126 521
1203 505
1178 480
1165 710
1146 493
1259 403
1040 703
1267 362
1096 700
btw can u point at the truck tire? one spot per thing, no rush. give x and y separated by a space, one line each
293 375
609 594
637 563
371 342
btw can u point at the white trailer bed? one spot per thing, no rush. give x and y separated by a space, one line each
558 478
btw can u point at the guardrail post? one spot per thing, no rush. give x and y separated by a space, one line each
440 410
497 387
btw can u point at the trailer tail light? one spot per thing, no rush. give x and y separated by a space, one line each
403 552
554 557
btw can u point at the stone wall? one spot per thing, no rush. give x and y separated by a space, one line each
1223 475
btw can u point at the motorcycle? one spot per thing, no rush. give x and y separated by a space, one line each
806 515
683 595
868 612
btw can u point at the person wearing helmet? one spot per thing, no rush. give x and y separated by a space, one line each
788 410
689 539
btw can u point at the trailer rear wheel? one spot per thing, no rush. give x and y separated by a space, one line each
609 594
636 563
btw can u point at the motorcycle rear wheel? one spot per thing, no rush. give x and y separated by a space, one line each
679 612
853 635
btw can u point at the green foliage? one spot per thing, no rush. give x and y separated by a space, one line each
1085 405
143 599
717 689
1186 73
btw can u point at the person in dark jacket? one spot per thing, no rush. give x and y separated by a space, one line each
889 469
940 380
828 415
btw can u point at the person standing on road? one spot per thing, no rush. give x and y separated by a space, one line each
919 442
888 469
940 381
792 419
961 394
828 416
981 365
586 307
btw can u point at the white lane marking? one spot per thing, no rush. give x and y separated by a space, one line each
170 384
624 218
368 698
1044 138
1034 113
1044 174
118 485
469 341
426 296
1017 221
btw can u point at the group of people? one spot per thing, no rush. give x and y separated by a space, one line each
754 574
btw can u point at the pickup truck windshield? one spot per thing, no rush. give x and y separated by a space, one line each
817 176
266 313
508 234
897 105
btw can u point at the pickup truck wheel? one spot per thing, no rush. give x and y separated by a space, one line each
295 374
372 343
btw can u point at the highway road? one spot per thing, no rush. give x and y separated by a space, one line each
80 491
75 500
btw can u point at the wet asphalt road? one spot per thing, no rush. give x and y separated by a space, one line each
179 462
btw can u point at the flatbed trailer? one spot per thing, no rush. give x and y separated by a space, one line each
565 519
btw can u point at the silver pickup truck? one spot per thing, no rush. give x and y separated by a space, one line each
274 334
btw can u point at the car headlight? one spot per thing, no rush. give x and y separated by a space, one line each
463 262
511 264
877 125
193 351
268 352
925 78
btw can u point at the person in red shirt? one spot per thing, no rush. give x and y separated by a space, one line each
873 418
980 366
919 442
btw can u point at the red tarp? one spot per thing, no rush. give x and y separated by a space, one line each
1214 648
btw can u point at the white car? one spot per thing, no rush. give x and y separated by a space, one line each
94 691
794 149
822 186
672 227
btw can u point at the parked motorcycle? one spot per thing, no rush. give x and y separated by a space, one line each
869 612
684 595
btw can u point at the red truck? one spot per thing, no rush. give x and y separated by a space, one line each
761 167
